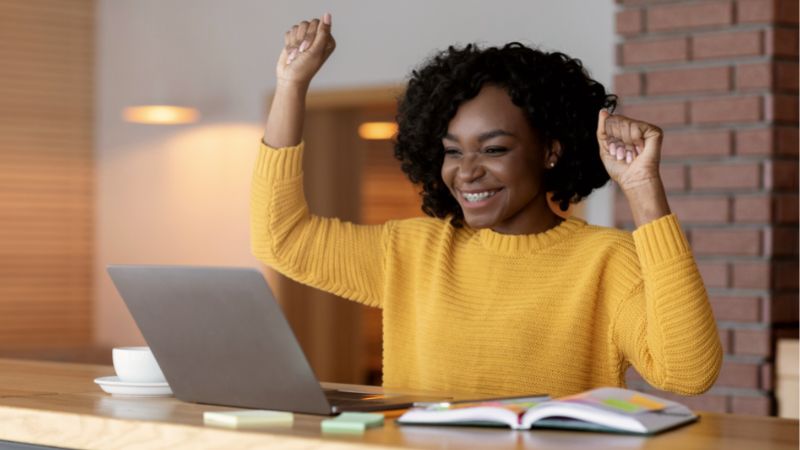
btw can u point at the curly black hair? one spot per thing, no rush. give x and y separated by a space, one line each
557 95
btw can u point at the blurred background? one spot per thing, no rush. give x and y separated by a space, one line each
92 174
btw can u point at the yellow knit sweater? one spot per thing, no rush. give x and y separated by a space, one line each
469 310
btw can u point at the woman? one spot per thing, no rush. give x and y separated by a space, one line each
495 293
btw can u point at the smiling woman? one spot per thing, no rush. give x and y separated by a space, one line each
493 293
494 162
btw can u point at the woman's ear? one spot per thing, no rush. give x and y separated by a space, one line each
553 154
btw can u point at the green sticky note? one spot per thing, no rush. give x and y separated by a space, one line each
622 405
352 422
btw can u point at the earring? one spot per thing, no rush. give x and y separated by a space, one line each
552 164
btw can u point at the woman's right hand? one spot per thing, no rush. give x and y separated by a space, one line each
307 46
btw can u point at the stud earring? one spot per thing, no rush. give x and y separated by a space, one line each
552 164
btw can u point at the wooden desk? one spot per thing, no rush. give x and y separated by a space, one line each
58 404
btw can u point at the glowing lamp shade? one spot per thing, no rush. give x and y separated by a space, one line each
377 130
160 114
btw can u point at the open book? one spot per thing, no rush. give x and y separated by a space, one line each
602 409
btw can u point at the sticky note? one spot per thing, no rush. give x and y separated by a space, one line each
622 405
352 422
250 418
646 402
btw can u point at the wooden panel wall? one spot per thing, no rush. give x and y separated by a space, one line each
46 174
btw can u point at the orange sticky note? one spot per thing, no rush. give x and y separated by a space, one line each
645 402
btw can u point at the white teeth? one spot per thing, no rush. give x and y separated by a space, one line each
476 197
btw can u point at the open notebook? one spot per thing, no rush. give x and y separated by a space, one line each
602 409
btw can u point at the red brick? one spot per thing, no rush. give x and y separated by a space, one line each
783 309
696 209
705 402
757 141
628 84
751 275
715 274
786 274
726 110
727 44
681 144
673 176
767 375
781 42
682 16
788 11
725 339
738 375
781 241
756 11
786 76
780 175
725 176
787 140
736 309
662 113
752 342
629 22
767 11
655 51
706 79
754 76
726 241
781 108
752 209
786 208
754 406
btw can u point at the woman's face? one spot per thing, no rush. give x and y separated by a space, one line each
493 165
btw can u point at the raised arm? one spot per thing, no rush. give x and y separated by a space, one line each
665 326
306 48
326 253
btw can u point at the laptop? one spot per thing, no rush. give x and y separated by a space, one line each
220 338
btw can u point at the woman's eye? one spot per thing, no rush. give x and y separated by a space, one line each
451 151
494 150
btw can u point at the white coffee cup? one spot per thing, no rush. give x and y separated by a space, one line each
136 365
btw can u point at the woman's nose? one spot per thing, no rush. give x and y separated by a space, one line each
470 168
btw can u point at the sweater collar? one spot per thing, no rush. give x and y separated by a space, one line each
529 243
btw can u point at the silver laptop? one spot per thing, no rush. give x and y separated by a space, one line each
221 338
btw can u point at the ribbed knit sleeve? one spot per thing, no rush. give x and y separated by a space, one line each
339 257
666 328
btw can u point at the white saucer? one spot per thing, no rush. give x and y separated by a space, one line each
113 385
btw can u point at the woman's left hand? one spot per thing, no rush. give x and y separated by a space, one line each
630 150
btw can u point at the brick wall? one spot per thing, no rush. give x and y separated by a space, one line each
721 78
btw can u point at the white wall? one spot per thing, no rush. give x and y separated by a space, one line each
179 194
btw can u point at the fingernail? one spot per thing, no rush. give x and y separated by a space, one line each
326 18
292 56
303 46
628 157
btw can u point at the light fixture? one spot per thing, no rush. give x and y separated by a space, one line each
377 130
160 114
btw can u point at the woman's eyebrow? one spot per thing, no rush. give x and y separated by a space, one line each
483 136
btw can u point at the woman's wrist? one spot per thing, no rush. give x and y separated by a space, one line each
648 201
285 120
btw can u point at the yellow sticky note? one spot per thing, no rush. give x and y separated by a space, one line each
248 418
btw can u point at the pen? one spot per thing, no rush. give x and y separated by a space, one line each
532 398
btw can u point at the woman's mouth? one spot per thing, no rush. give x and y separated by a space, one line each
478 198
